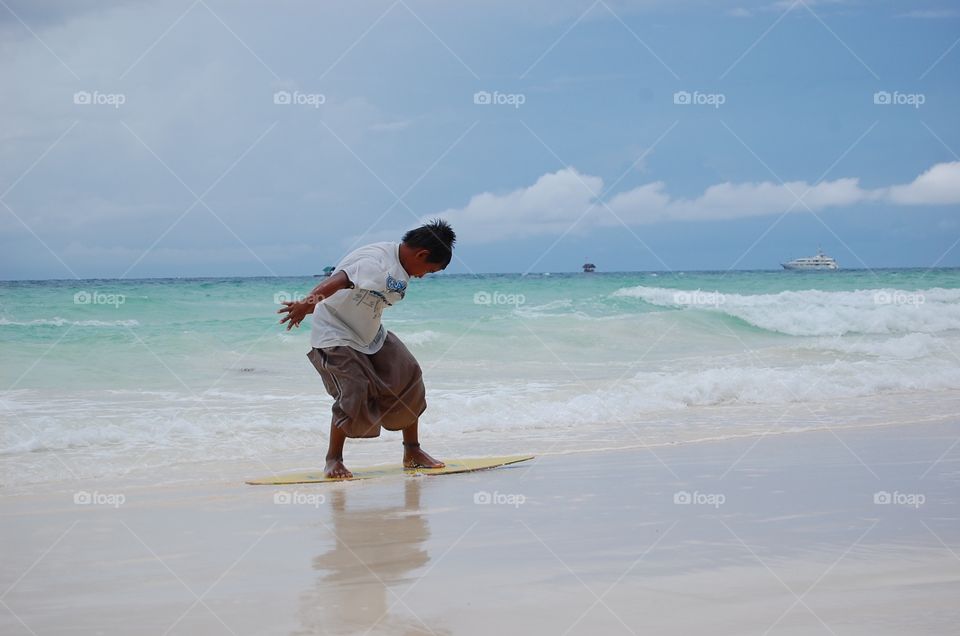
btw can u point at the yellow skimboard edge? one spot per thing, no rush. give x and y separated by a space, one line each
452 467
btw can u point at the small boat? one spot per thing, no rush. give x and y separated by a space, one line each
327 272
589 268
819 262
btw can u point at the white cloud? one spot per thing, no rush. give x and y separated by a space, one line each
937 186
650 203
556 200
548 206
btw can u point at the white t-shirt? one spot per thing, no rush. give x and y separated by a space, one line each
351 317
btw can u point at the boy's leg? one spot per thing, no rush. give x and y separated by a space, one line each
335 467
346 381
402 398
413 456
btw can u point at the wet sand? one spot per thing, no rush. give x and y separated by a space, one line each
785 534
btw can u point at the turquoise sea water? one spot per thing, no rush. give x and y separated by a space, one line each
115 375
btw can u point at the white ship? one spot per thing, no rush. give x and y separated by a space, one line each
820 261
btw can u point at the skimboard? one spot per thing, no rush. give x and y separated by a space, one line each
452 467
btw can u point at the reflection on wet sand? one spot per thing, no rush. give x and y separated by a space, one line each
368 568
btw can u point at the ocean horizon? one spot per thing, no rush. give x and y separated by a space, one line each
504 273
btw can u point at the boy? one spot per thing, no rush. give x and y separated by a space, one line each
373 379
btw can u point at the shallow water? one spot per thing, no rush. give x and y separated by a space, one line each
110 376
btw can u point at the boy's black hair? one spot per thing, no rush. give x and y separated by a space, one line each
436 236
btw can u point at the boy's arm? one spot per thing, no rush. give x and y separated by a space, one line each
297 311
328 287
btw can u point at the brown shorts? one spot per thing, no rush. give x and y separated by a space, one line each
370 391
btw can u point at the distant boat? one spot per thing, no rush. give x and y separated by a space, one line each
819 262
327 272
589 268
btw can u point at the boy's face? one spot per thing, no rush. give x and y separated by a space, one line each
420 266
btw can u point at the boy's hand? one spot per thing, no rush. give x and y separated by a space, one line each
296 312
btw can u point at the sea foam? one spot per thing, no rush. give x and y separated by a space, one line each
820 313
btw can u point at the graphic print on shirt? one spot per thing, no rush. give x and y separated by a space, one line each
398 286
376 300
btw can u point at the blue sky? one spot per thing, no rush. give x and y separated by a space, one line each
184 164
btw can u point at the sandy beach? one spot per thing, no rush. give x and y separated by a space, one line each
700 259
853 532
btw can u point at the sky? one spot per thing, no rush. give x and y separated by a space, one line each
239 138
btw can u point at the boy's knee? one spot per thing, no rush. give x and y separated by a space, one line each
398 419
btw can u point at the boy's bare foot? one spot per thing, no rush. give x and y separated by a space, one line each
336 469
414 457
